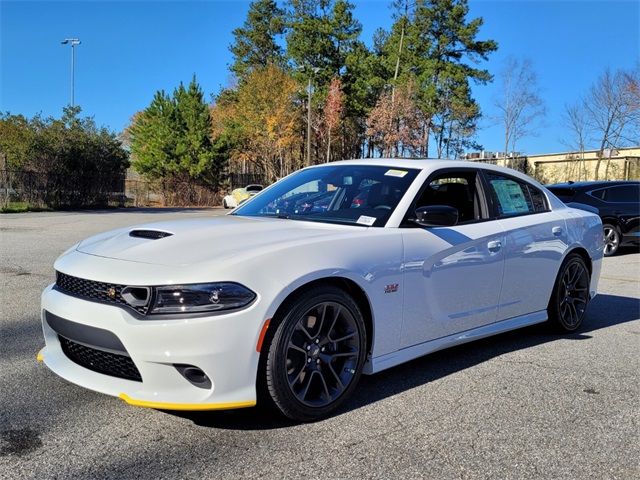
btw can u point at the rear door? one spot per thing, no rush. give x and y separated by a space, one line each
535 242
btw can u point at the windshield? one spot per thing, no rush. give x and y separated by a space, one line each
347 194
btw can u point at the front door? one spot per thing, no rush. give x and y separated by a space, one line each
452 275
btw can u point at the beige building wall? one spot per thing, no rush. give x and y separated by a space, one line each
620 164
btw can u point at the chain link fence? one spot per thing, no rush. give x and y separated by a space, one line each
22 190
57 190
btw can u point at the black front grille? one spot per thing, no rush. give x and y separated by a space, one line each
95 291
108 363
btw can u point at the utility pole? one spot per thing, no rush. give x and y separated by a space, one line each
308 160
74 42
315 70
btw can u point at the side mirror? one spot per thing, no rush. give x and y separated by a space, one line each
436 216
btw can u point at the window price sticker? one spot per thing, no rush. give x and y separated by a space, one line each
396 173
364 220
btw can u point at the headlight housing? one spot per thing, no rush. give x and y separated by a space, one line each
199 298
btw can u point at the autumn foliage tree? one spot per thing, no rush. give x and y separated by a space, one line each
263 118
394 124
332 112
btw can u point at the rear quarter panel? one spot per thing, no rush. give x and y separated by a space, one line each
584 230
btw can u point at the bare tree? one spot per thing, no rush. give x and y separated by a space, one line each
519 104
612 109
576 121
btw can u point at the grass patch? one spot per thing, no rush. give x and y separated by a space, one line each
20 207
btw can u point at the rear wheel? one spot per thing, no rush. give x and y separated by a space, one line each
611 239
316 355
570 296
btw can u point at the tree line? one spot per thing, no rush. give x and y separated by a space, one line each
64 162
307 89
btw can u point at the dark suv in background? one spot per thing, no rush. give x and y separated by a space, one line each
618 204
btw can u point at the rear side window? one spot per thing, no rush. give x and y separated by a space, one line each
538 199
514 197
623 193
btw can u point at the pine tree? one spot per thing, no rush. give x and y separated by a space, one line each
194 149
153 141
172 138
255 44
433 42
449 51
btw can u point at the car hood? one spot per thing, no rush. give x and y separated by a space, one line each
199 240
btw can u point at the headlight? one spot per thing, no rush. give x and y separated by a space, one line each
205 297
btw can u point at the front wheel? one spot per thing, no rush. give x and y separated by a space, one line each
570 297
316 355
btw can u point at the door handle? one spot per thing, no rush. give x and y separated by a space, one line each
557 231
494 246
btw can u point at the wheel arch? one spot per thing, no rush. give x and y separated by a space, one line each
350 287
584 254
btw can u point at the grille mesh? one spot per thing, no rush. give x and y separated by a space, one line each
95 291
100 361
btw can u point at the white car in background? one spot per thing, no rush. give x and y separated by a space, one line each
299 291
239 195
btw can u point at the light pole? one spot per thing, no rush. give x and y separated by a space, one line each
73 42
315 70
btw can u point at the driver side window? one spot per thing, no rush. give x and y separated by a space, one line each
457 189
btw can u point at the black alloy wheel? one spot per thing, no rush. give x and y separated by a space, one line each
316 355
570 297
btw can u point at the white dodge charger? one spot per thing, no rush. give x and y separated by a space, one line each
334 271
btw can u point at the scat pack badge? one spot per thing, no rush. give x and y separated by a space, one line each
391 288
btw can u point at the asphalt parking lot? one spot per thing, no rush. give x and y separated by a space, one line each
527 404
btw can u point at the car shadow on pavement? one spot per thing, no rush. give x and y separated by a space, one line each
604 311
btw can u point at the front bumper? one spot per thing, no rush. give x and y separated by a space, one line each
222 345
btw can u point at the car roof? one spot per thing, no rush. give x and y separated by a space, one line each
431 164
592 184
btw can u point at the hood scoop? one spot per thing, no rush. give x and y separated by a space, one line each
149 234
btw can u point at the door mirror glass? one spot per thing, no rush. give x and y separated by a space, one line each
436 216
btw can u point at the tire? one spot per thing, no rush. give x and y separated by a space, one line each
224 203
612 238
570 297
316 354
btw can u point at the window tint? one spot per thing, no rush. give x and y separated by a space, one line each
538 199
454 189
599 193
623 193
511 197
350 194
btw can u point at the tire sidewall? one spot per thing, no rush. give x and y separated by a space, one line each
277 380
554 307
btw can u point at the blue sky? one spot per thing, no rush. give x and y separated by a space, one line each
131 49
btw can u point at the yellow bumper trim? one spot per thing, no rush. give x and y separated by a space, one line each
39 356
185 406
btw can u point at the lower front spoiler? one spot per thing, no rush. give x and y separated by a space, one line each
186 406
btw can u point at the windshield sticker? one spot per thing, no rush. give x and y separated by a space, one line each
364 220
396 173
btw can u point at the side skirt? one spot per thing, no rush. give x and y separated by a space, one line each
392 359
